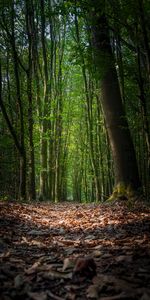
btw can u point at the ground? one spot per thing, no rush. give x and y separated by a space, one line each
74 251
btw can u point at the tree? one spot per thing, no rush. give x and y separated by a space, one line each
30 34
74 85
19 142
125 164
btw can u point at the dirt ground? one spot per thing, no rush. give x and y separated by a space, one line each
74 251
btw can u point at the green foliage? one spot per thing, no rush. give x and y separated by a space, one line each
74 131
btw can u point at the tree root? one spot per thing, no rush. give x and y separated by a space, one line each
123 192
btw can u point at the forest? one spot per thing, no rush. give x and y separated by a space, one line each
74 119
74 149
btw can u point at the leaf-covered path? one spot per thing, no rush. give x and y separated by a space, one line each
74 251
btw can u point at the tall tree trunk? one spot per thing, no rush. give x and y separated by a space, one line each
44 173
18 94
145 34
89 114
50 127
30 33
22 156
125 165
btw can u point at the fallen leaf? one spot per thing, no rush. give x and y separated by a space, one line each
68 264
18 281
36 232
97 253
85 266
33 268
55 274
90 237
5 254
38 295
125 258
93 292
41 240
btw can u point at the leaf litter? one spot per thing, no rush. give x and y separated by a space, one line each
74 251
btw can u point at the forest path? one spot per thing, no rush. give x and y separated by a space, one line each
74 251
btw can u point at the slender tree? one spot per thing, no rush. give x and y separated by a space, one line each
30 34
44 174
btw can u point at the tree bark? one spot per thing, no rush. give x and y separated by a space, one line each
23 166
22 154
125 165
30 33
89 114
44 148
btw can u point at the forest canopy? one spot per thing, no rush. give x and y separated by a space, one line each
74 109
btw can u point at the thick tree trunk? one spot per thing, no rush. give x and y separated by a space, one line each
125 165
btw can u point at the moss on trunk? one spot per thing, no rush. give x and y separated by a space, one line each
125 193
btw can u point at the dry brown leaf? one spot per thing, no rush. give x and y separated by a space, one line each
5 254
79 215
125 258
85 266
97 253
93 292
38 295
68 264
33 268
90 237
65 242
55 274
112 235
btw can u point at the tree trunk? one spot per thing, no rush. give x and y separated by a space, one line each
21 116
44 148
30 33
145 34
125 165
89 114
22 153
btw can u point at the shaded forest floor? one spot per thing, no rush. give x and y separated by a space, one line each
74 251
